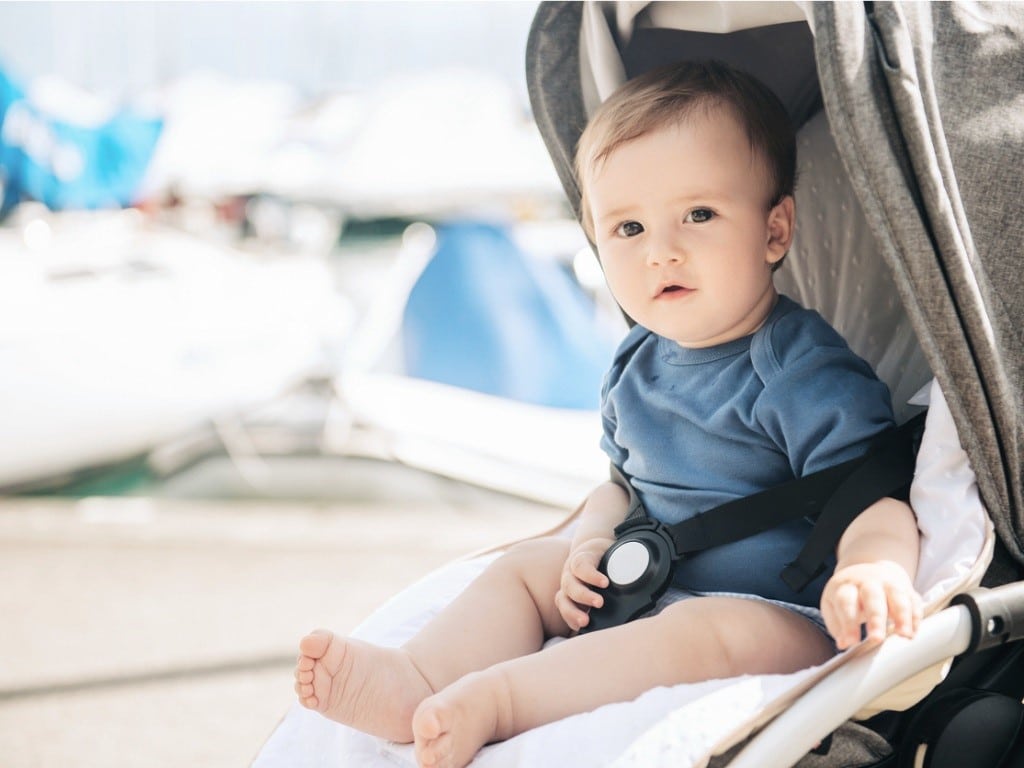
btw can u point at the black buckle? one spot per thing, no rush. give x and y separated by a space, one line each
638 585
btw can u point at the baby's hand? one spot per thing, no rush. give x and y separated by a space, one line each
579 574
877 595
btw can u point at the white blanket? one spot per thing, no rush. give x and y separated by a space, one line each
681 725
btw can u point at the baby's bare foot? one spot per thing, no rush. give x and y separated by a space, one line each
373 689
452 726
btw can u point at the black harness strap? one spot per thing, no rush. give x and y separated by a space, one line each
636 510
831 497
887 470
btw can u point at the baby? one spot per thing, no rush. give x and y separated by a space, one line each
722 388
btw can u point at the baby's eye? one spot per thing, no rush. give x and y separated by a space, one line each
700 216
629 229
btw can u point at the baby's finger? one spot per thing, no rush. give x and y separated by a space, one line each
905 611
844 609
875 609
584 567
574 616
918 607
582 594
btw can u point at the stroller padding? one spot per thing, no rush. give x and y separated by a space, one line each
798 90
834 266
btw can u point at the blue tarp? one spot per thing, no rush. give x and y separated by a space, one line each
487 317
65 165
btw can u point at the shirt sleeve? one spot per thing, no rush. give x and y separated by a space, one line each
611 399
821 403
609 421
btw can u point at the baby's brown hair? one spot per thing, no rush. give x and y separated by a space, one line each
667 96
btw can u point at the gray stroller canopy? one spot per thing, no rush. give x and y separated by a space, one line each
925 102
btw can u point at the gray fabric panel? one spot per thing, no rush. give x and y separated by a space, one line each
897 103
553 81
981 44
853 746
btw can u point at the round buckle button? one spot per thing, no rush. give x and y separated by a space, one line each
628 562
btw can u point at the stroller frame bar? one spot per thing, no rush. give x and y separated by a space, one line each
802 726
978 619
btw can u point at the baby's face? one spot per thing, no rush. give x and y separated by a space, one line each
685 235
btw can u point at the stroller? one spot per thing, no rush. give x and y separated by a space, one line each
910 145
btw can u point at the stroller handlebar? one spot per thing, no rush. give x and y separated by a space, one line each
856 684
997 615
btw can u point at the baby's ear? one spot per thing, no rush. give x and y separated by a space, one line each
781 220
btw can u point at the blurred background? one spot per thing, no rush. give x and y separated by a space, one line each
292 310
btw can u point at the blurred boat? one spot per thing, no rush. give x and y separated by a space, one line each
117 335
480 360
474 357
423 145
468 362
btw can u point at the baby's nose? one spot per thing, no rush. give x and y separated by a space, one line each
665 251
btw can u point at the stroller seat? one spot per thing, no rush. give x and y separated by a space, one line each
681 725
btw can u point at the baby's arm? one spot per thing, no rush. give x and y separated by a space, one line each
873 583
605 508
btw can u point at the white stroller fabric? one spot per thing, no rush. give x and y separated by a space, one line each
681 725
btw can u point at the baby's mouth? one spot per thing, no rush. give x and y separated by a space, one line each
674 290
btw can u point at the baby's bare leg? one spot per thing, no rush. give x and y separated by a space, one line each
695 640
508 611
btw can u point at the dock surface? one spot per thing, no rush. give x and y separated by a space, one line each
159 632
